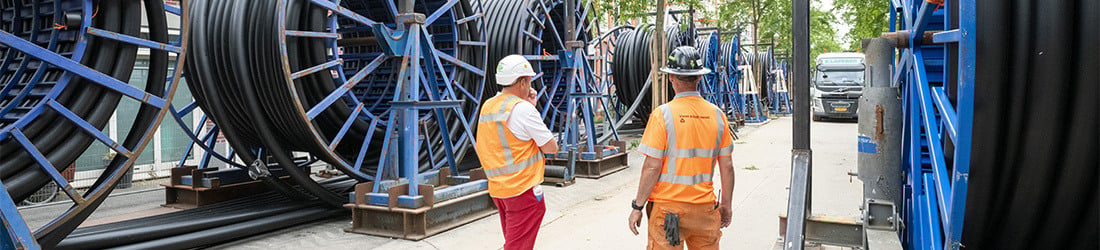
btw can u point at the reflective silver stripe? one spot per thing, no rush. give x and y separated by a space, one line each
512 168
687 93
726 150
494 117
685 180
650 151
670 128
691 152
718 139
500 131
504 143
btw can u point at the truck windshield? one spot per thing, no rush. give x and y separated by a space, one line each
840 78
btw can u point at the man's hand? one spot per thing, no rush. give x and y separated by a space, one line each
532 96
635 220
726 213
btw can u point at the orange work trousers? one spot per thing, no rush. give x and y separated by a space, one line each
700 225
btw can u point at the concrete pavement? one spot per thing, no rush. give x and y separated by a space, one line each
591 214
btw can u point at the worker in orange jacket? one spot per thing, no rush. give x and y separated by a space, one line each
511 141
682 142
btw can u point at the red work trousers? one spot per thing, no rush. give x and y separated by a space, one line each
520 218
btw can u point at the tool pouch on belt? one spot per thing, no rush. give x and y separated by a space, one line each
672 229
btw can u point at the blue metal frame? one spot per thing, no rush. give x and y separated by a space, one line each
574 93
420 59
731 76
935 188
712 86
14 117
605 53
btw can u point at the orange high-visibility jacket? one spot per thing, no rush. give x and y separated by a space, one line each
689 134
512 166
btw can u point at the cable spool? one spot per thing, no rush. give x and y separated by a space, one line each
50 116
762 63
631 66
605 49
731 55
710 85
295 79
1033 155
536 30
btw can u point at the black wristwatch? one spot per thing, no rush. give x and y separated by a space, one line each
634 205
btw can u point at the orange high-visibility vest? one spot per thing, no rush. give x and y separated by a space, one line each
511 165
689 134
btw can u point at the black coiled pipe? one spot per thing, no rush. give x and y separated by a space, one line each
60 141
631 66
242 80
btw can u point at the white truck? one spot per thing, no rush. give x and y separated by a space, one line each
837 85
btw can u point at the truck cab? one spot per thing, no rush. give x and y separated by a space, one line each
837 85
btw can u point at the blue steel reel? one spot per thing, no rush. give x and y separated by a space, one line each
203 137
364 48
54 56
731 58
605 50
536 30
710 86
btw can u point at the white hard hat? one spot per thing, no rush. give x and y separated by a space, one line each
511 68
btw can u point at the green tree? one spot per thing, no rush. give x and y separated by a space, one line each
822 34
867 17
773 22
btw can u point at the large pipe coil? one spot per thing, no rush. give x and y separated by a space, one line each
275 81
64 71
631 66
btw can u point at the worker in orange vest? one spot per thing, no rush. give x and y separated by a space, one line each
511 141
682 142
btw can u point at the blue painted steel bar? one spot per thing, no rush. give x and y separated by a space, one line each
299 33
46 166
935 197
347 125
439 12
315 68
460 63
933 230
336 94
960 176
946 111
89 128
950 36
931 136
173 9
206 144
185 110
18 234
75 67
410 137
132 40
332 6
210 140
470 18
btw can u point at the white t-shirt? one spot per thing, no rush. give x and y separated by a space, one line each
525 122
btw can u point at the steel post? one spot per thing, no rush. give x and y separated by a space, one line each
879 157
798 204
